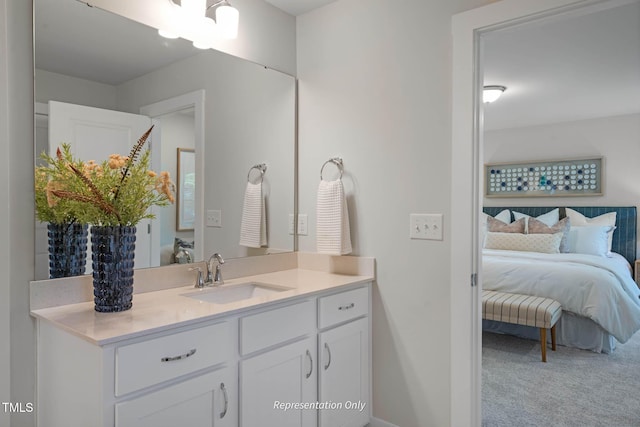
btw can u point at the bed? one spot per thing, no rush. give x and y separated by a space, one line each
600 300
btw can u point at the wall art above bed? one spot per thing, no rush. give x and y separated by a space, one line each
578 177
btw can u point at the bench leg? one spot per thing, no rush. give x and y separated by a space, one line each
543 343
553 338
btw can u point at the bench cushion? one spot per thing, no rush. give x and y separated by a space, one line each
525 310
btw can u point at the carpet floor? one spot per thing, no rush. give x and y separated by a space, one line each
574 388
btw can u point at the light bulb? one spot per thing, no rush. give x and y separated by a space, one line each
206 34
492 93
227 18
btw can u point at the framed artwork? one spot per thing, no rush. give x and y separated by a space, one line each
577 177
186 189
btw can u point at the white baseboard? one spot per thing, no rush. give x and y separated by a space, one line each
377 422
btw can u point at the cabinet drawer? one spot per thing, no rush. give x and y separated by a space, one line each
262 330
341 307
150 362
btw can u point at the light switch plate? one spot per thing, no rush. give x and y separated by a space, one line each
425 226
291 224
303 224
214 218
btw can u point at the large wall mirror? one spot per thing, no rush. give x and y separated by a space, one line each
243 115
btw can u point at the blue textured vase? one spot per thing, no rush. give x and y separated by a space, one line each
67 249
113 250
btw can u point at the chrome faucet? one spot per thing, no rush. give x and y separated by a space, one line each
215 278
199 280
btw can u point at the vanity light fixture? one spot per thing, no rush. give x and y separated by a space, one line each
218 19
492 93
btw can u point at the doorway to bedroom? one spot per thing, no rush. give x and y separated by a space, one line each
570 91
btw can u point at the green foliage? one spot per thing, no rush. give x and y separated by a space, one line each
118 191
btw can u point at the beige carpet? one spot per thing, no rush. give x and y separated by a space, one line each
575 388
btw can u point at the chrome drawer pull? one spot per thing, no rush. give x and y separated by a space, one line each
182 356
310 364
329 353
226 400
347 307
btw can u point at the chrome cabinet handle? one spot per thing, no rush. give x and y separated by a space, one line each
310 364
347 307
326 346
226 400
182 356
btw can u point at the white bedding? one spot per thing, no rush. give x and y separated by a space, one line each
597 288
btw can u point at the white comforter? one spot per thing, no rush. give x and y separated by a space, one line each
594 287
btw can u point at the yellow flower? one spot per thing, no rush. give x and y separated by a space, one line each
117 161
151 173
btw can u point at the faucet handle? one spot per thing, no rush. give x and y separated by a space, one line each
199 278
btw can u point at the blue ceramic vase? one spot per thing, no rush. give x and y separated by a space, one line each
67 249
113 250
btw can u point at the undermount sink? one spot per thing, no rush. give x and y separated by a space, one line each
226 294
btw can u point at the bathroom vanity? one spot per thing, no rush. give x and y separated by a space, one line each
285 348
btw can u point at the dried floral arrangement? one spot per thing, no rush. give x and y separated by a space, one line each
117 192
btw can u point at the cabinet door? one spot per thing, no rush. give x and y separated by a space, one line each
343 370
270 381
205 401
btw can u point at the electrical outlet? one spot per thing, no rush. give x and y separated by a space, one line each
214 218
302 224
425 226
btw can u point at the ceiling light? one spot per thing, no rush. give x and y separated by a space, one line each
192 14
492 93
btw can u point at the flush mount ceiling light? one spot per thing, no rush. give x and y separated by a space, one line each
492 93
196 17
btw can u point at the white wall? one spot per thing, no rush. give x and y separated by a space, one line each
5 226
59 87
17 219
249 119
375 89
614 138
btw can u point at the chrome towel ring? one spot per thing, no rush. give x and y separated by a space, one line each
261 167
336 161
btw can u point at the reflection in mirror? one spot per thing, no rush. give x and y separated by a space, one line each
89 57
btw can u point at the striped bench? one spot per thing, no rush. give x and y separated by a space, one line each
524 310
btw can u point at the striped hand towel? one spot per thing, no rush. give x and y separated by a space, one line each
333 235
253 230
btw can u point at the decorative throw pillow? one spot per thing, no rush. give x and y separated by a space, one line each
544 243
608 219
590 239
502 216
550 218
496 226
536 226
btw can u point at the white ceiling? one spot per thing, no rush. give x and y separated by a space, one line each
574 67
299 7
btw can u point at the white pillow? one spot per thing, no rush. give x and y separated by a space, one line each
608 219
545 243
504 216
590 239
549 219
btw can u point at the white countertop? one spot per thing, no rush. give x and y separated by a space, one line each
160 310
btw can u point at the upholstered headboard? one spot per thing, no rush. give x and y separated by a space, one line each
624 236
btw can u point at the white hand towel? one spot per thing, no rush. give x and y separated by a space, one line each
253 230
333 235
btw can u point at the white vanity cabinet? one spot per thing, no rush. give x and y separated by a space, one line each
284 368
298 362
186 374
343 359
208 400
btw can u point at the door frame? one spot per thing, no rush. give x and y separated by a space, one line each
467 145
196 101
